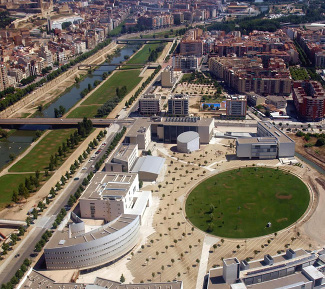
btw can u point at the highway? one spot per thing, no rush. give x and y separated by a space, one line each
26 248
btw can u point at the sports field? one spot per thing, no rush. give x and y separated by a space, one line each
240 203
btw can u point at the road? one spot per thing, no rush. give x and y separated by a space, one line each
44 222
61 121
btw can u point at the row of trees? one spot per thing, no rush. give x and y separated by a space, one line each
140 89
44 239
17 94
30 185
154 54
18 275
84 129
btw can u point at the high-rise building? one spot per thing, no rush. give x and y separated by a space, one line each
167 78
309 100
185 63
4 83
236 106
178 105
149 104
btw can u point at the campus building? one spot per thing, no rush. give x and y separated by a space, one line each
309 100
270 143
188 142
178 105
111 209
149 104
148 168
139 133
169 128
294 269
123 159
37 280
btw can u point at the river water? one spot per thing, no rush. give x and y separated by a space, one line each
21 139
72 96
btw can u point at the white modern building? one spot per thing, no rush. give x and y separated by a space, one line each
294 269
111 210
270 143
139 133
36 279
123 159
188 142
148 168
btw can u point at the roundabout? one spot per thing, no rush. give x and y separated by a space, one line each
247 202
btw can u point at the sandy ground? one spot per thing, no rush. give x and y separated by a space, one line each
169 222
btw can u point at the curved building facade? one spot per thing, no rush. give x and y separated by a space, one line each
188 142
70 250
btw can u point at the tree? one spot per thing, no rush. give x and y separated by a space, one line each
214 247
15 197
175 241
172 260
197 261
122 279
190 247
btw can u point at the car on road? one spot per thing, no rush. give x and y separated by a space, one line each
76 179
84 168
17 255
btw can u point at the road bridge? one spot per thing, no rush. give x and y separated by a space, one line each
60 122
145 40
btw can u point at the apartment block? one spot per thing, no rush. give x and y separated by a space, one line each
185 63
309 100
178 105
236 106
149 104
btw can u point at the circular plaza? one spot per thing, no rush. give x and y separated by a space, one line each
247 202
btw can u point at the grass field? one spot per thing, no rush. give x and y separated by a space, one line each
9 183
141 57
240 203
129 78
39 157
84 111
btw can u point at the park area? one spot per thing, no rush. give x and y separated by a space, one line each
247 202
39 157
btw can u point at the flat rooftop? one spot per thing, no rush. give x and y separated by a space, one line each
37 280
278 134
104 185
256 140
124 151
61 239
140 126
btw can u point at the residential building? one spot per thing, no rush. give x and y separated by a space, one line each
278 101
149 104
178 105
236 106
4 83
249 75
167 78
309 100
185 63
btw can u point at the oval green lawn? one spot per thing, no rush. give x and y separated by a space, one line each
240 203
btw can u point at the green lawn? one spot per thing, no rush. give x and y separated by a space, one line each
141 57
243 201
129 78
9 183
84 111
39 157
